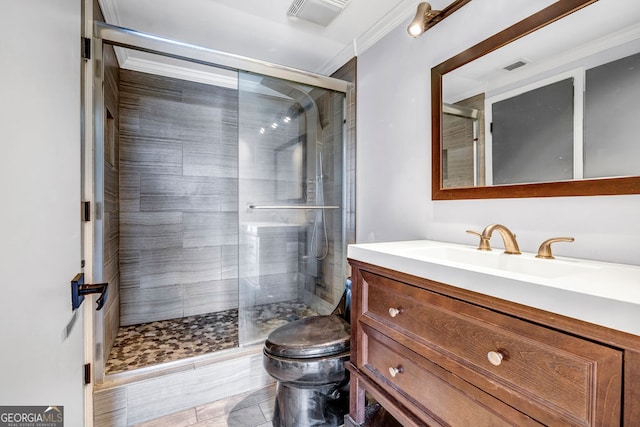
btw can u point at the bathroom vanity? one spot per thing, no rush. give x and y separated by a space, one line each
443 334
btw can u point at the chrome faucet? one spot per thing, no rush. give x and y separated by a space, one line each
509 239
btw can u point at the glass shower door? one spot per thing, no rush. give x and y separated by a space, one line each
291 252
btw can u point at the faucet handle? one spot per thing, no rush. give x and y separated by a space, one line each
544 251
484 241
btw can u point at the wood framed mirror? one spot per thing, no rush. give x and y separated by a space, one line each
612 38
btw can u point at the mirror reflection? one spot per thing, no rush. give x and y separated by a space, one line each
559 104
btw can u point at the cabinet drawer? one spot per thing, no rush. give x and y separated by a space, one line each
557 378
438 393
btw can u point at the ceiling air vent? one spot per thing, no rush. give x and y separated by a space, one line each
321 12
515 65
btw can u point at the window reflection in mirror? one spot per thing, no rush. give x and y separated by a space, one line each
572 125
612 128
531 135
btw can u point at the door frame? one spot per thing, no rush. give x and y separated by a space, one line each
87 194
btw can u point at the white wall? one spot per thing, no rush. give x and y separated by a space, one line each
394 157
40 204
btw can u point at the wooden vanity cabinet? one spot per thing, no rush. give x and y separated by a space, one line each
434 354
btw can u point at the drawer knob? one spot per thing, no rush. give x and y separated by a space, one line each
495 358
393 312
395 371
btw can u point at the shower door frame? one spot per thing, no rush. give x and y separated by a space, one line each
104 33
124 37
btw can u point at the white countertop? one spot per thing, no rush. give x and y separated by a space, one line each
602 293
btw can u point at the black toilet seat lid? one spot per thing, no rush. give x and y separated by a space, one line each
310 337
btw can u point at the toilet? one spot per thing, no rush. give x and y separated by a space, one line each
307 358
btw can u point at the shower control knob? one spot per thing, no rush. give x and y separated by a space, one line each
393 312
395 371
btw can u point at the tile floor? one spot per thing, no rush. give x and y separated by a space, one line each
138 346
252 409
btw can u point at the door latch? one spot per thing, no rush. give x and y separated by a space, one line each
79 289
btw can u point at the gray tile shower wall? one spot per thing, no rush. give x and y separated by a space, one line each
111 218
178 198
181 191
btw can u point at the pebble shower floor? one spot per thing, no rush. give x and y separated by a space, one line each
146 344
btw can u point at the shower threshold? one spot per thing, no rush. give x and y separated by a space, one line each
154 343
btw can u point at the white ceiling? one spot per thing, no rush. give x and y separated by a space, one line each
261 29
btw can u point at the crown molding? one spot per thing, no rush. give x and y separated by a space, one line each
396 16
109 12
384 26
179 72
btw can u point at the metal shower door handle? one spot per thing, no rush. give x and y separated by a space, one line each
79 289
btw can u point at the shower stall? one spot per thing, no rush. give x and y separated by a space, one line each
222 184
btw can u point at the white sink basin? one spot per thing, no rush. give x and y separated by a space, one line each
602 293
523 264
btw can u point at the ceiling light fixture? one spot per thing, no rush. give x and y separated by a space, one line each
426 17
